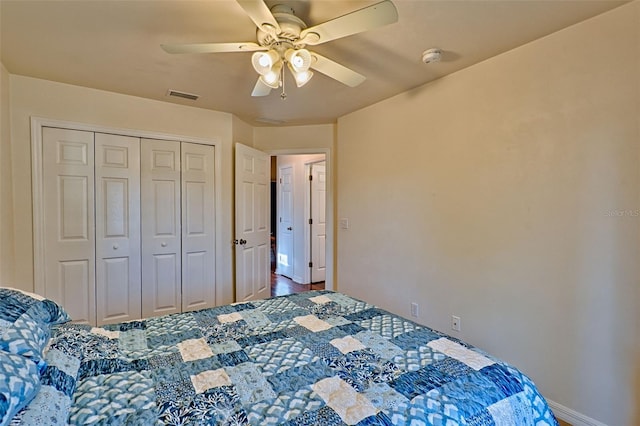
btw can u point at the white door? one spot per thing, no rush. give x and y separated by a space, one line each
284 240
117 204
68 188
198 227
161 227
318 222
252 176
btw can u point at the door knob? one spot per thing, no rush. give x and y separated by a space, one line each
243 242
289 229
116 246
163 244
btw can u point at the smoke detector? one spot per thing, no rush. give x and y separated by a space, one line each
431 55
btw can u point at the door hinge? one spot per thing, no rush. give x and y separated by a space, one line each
280 220
310 221
310 264
280 180
310 177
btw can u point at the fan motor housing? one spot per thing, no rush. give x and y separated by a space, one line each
290 26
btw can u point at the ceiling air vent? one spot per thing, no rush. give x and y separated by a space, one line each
183 95
269 120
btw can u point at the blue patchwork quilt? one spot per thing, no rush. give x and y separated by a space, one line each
315 358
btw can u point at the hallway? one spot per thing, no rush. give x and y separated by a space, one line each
281 285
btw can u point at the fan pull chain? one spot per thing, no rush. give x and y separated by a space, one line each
283 95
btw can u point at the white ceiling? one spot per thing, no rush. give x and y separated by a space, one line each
115 46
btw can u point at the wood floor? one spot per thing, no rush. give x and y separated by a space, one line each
281 285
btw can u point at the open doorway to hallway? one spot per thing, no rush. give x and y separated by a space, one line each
281 286
298 223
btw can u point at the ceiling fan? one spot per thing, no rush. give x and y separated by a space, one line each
282 38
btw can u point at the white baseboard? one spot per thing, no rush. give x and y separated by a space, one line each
571 416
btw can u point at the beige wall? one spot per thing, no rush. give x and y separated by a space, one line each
6 184
242 132
507 194
40 98
294 137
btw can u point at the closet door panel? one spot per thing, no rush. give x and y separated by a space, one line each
163 278
161 227
73 287
198 227
118 273
68 194
113 292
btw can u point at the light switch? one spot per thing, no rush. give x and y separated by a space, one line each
344 223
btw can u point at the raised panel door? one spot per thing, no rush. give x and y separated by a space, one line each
160 166
117 203
252 223
198 227
69 236
285 253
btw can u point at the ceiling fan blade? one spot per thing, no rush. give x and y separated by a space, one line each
336 71
260 89
212 47
370 17
260 14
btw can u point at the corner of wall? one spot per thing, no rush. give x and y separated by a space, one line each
242 132
6 183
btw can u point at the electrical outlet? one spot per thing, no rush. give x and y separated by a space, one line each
455 323
414 310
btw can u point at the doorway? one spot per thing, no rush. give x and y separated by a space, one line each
252 213
298 218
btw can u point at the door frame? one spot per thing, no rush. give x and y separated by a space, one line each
330 200
37 123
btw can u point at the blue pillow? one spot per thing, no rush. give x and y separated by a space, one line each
52 405
19 383
25 321
14 303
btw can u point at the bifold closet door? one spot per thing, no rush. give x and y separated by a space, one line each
68 205
161 227
178 226
117 195
198 227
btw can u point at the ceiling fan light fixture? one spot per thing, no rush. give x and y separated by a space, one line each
271 80
282 36
298 59
272 77
264 62
301 77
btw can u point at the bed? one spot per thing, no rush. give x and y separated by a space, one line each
314 358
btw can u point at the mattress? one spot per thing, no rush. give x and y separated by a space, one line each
314 358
